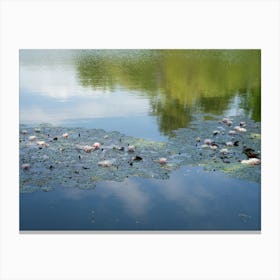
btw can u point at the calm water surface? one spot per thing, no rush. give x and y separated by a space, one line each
147 94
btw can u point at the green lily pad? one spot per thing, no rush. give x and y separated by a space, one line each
64 161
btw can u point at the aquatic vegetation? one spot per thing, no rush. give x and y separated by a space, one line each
25 166
76 162
32 138
251 161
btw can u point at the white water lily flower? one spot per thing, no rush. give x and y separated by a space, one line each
105 163
32 138
224 151
131 148
240 129
229 144
42 143
251 161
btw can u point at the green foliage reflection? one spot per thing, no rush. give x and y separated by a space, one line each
178 82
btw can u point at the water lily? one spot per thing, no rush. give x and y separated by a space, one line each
96 145
240 129
162 160
88 148
25 166
232 132
42 143
214 146
32 138
224 151
131 148
207 142
105 163
227 121
229 144
251 161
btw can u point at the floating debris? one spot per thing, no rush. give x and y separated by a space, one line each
24 132
137 158
36 129
236 143
65 135
249 152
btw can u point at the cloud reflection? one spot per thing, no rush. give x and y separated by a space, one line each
54 96
134 201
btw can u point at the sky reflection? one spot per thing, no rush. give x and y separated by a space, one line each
206 201
147 94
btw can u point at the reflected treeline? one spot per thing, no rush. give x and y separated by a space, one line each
178 82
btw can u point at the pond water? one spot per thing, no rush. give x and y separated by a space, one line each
148 94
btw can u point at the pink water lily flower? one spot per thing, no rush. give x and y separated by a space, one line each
96 145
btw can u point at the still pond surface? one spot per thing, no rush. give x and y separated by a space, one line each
147 94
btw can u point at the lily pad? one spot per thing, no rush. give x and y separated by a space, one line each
64 162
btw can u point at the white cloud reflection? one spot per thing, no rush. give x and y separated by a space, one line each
133 199
56 96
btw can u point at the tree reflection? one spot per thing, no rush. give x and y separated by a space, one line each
178 82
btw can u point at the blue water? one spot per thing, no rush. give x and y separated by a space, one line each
191 199
56 89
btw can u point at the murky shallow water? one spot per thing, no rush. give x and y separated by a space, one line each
146 94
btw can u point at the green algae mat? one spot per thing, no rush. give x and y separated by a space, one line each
78 158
